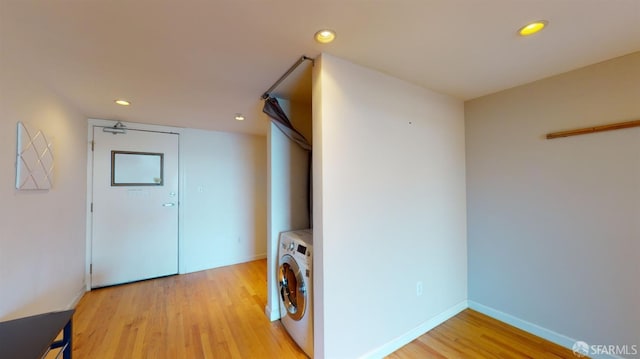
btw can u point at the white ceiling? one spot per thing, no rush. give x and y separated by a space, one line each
195 63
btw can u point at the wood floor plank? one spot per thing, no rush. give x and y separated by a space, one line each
219 313
473 335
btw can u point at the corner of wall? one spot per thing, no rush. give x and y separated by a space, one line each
416 332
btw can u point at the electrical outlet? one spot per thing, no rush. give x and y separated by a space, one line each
418 289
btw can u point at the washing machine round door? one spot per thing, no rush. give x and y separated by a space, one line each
293 290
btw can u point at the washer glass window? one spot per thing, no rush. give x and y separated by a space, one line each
293 290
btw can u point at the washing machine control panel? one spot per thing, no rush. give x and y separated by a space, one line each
296 249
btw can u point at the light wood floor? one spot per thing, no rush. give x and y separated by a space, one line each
473 335
219 313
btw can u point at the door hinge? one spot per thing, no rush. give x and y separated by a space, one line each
91 207
93 145
91 268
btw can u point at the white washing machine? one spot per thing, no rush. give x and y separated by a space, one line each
295 282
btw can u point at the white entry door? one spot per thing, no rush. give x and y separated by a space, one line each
135 206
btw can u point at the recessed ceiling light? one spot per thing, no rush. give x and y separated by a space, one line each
239 117
532 27
122 102
325 36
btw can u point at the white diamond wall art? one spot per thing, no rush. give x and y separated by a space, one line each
34 162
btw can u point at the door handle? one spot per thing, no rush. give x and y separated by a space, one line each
168 204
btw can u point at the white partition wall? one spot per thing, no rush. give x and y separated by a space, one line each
389 210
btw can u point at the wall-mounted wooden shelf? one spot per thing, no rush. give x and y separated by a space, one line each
584 131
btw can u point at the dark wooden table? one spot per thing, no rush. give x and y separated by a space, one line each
32 337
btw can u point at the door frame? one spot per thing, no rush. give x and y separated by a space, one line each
89 195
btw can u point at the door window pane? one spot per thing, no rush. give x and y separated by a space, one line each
136 168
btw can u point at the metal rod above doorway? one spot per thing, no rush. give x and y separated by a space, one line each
302 59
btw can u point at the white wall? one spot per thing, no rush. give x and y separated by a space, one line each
42 245
389 210
224 202
554 225
288 200
42 238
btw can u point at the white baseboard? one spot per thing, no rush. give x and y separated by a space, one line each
226 262
77 298
257 256
416 332
528 327
239 260
531 328
273 314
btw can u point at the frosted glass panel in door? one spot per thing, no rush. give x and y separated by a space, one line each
136 168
